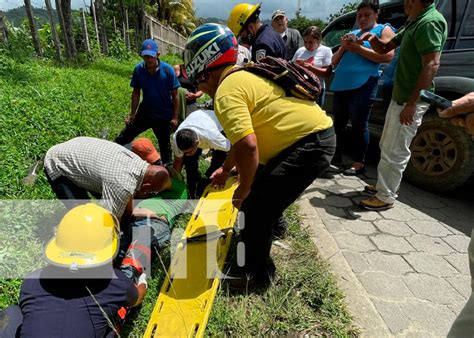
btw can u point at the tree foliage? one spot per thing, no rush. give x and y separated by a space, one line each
346 8
301 23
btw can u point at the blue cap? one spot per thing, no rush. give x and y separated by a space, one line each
149 47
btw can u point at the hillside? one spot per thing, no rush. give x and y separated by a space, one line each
17 15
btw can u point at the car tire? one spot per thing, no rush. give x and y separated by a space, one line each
442 156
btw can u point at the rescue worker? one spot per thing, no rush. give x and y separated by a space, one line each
79 293
280 144
245 23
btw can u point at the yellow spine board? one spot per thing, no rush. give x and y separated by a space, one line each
187 294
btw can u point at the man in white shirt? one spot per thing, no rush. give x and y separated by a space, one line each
200 130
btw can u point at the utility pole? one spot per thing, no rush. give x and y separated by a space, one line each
298 8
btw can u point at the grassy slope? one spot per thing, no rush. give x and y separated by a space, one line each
42 104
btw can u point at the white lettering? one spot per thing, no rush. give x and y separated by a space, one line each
197 64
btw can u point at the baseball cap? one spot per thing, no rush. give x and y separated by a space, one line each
145 149
278 13
149 47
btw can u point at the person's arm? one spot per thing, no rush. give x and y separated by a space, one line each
142 286
246 159
135 100
385 44
178 163
430 63
319 71
461 114
371 54
175 99
220 176
336 57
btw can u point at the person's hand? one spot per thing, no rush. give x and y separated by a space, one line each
407 114
190 96
174 123
365 37
460 106
300 62
219 177
239 195
142 280
461 113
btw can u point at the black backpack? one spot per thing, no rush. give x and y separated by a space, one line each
296 80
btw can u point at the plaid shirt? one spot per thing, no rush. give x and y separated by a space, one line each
99 166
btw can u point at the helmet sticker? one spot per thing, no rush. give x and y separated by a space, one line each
199 62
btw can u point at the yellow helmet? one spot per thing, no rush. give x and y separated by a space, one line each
87 237
239 15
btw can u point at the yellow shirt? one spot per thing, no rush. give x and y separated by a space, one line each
246 103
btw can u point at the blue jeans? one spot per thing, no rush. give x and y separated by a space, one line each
355 104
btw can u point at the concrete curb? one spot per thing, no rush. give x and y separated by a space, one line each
365 315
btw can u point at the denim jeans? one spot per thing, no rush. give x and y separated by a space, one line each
355 104
395 149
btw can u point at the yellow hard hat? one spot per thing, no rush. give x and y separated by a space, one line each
239 15
87 237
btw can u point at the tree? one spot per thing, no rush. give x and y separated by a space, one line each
301 23
66 10
99 10
54 34
34 30
347 8
179 14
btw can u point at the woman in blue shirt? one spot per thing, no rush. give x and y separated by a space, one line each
355 83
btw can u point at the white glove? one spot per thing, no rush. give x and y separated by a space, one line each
142 280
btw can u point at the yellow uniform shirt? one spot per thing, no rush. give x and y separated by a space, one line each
246 103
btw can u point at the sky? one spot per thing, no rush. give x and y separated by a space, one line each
221 8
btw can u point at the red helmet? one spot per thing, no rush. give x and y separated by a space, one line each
209 46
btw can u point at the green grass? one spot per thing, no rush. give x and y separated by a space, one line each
42 104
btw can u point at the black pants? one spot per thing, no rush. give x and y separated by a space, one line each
275 187
196 183
141 123
69 192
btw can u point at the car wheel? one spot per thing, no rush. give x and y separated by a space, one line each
442 156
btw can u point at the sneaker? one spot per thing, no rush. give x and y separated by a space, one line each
370 189
375 204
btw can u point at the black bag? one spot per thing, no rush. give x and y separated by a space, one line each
296 80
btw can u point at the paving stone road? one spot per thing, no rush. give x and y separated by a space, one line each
405 270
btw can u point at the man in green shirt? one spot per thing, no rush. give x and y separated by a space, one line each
421 42
154 217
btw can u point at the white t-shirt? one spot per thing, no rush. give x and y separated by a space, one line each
321 56
208 129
